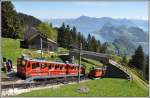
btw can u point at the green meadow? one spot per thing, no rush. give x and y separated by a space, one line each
100 87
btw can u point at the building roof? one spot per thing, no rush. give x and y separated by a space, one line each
51 41
32 32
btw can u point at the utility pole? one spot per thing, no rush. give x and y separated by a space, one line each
79 62
41 47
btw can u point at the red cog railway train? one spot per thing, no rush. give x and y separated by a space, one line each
40 68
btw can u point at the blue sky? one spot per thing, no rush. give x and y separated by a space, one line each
115 9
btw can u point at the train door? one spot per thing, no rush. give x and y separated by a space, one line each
35 69
28 69
21 67
43 69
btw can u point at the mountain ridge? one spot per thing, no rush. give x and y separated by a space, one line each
107 29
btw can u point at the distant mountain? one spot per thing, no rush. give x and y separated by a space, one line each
126 39
87 24
114 31
122 46
110 32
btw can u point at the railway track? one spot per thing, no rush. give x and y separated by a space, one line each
41 83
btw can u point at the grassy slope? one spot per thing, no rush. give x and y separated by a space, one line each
11 49
100 87
136 75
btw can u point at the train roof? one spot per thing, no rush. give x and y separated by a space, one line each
41 60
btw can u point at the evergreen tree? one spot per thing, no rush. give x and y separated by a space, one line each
28 20
138 59
147 68
51 25
84 43
70 38
89 43
93 44
124 60
11 26
79 39
104 48
74 29
98 46
60 36
75 37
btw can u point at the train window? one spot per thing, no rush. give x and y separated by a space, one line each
49 67
55 66
37 65
65 67
23 63
75 68
43 66
72 67
52 66
61 67
33 65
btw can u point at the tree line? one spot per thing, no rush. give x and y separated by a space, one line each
139 61
70 38
14 24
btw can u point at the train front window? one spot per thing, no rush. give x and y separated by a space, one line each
22 63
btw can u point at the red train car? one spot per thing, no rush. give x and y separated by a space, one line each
41 68
97 72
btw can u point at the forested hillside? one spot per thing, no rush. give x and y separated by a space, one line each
71 38
11 25
15 24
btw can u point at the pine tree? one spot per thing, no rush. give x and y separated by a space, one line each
75 37
147 68
51 25
89 43
98 46
60 36
104 47
124 60
93 44
11 26
138 59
